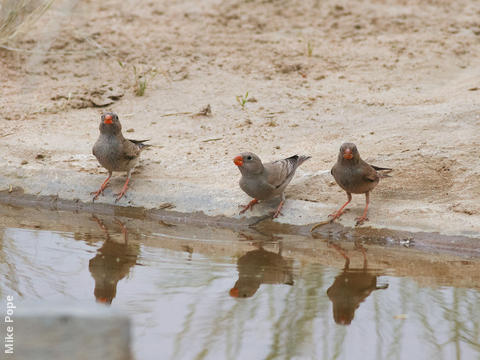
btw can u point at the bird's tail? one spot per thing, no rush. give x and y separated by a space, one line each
140 143
292 163
299 159
384 173
380 168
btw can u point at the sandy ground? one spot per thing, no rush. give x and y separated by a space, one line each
401 79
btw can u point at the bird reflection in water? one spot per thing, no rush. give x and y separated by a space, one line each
112 263
351 288
258 267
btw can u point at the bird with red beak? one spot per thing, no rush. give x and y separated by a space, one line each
114 152
266 181
354 176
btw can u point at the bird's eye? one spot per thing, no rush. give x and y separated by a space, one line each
249 157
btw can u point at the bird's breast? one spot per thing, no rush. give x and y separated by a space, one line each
256 188
109 153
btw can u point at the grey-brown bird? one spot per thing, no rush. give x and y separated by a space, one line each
266 181
114 152
259 267
351 288
355 176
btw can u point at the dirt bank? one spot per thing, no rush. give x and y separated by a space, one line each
401 79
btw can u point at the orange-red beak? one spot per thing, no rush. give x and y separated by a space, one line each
347 154
238 160
233 292
108 119
102 300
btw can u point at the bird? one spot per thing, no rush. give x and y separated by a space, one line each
259 267
266 181
355 176
114 152
351 287
111 263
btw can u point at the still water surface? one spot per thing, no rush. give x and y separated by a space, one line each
259 304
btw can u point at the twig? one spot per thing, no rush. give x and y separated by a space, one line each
178 113
208 140
50 53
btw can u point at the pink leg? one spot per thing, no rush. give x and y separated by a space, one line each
100 191
249 206
279 208
124 189
342 252
340 211
363 218
124 230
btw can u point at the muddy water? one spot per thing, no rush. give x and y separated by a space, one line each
206 293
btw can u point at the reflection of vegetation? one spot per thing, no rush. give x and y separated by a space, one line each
12 256
461 332
278 322
297 321
19 16
293 328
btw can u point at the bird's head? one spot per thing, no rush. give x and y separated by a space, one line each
110 124
245 290
248 163
349 153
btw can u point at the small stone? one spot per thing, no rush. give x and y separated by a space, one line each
24 162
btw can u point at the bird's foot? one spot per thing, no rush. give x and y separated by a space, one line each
120 195
249 206
276 214
360 220
279 210
335 215
124 190
99 192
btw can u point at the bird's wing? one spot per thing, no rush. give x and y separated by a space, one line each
368 172
281 171
131 150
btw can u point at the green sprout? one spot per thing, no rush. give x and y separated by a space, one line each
242 100
142 80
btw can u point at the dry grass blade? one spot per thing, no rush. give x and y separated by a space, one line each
18 16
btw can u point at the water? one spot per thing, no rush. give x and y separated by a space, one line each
204 294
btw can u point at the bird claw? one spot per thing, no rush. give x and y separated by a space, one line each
337 214
244 208
277 214
249 206
360 220
279 210
99 192
119 196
